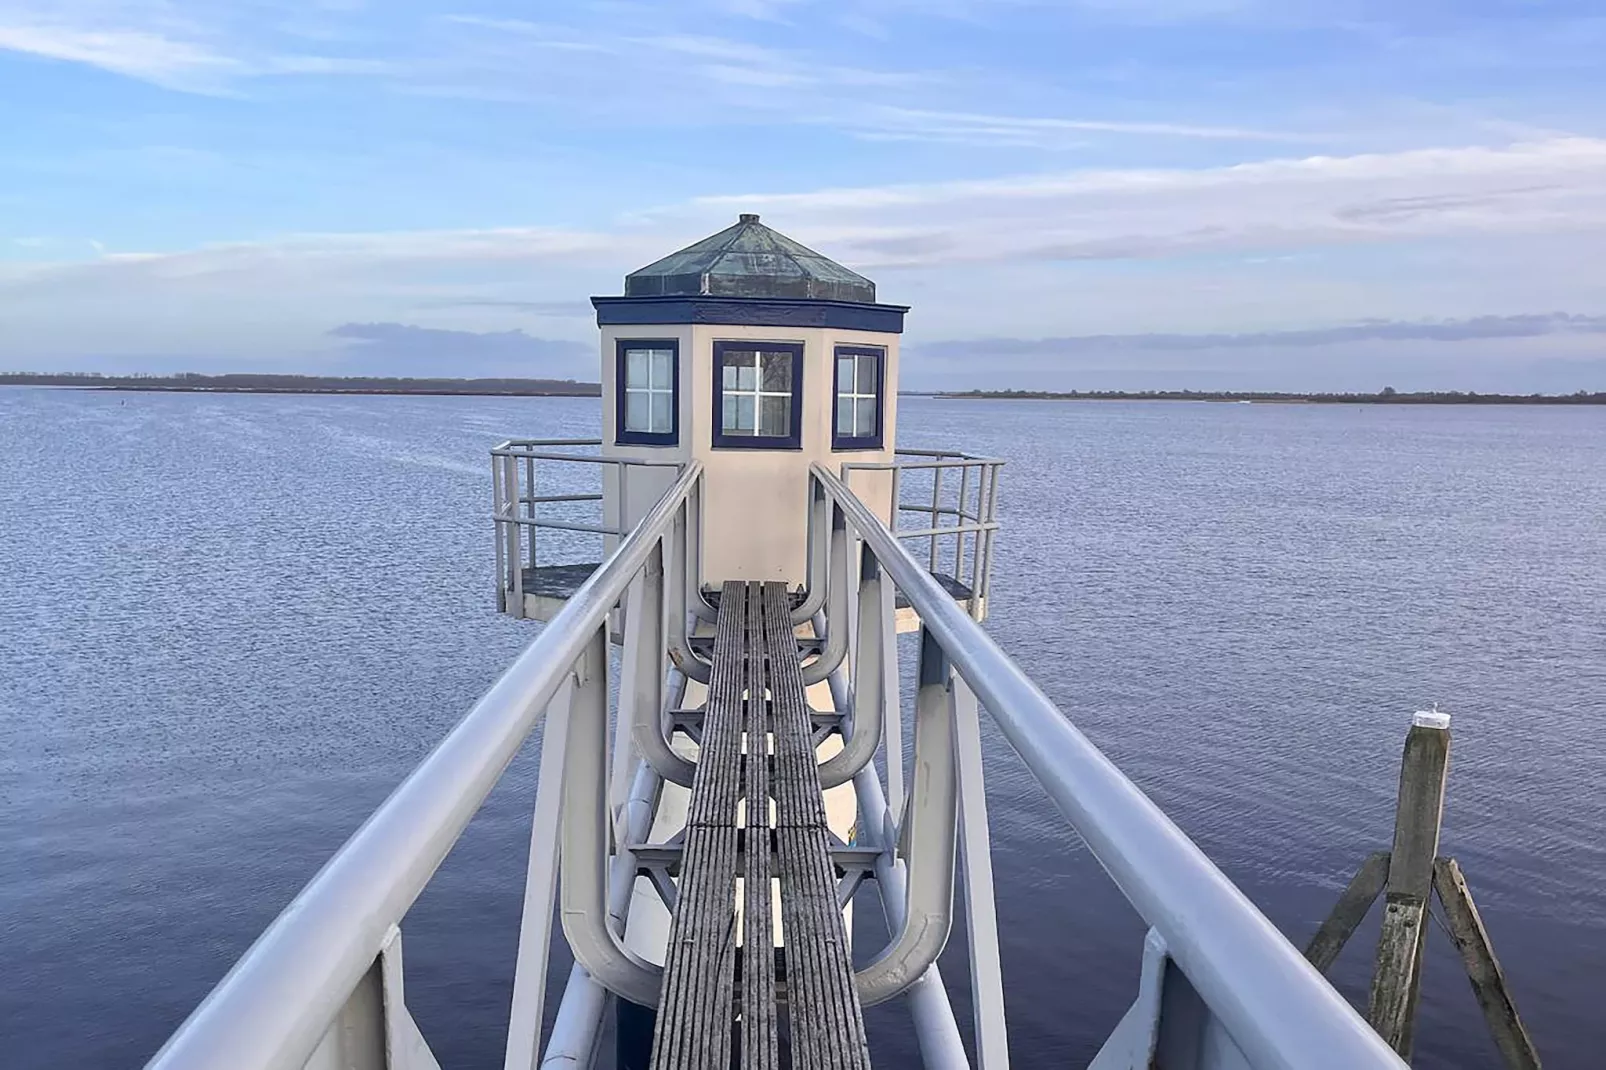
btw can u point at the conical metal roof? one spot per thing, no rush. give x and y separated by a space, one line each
749 260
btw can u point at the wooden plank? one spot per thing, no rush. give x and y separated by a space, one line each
826 1018
1348 912
1483 969
760 1030
693 1026
1397 977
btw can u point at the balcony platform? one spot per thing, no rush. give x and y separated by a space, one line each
909 621
548 587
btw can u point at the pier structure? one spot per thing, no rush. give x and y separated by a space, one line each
724 769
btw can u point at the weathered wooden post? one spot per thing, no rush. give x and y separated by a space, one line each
1412 873
1397 978
1483 969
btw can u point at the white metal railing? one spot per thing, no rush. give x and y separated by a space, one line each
520 470
1263 1004
314 983
958 518
322 986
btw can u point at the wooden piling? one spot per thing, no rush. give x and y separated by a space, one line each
1348 911
1483 969
1397 977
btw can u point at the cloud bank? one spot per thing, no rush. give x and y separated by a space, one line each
399 349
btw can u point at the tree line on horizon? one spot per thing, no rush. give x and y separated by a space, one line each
255 382
1388 395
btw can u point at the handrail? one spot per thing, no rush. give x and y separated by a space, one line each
272 1008
1278 1009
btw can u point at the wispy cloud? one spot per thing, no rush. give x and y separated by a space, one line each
1475 329
201 49
966 128
149 55
405 349
1273 204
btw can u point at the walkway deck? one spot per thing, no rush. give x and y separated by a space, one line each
756 809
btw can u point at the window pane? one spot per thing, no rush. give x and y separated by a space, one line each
738 414
738 370
636 411
636 368
864 425
661 371
844 417
867 376
775 418
844 375
662 415
778 372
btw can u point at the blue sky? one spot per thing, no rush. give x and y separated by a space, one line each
1062 189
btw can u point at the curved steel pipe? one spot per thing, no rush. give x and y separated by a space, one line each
836 617
869 680
929 837
819 559
690 552
935 1028
576 1029
644 675
680 651
583 851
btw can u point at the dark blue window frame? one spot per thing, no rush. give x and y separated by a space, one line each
793 440
839 441
646 438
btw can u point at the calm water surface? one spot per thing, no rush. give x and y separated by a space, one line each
231 624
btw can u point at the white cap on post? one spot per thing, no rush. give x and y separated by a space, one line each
1434 718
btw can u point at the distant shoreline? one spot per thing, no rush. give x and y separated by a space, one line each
1386 397
252 383
246 383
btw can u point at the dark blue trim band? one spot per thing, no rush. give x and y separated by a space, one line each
645 438
750 312
791 441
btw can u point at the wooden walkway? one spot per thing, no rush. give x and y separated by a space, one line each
756 808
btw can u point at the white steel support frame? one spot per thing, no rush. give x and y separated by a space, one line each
1249 996
322 987
304 975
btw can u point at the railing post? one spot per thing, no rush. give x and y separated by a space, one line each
959 522
981 916
892 697
936 501
981 590
497 536
529 494
540 889
514 538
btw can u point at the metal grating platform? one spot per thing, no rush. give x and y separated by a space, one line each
703 1010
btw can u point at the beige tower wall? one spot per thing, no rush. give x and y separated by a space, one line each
755 501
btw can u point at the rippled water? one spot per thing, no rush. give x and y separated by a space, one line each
231 624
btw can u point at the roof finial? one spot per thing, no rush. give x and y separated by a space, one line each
747 217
